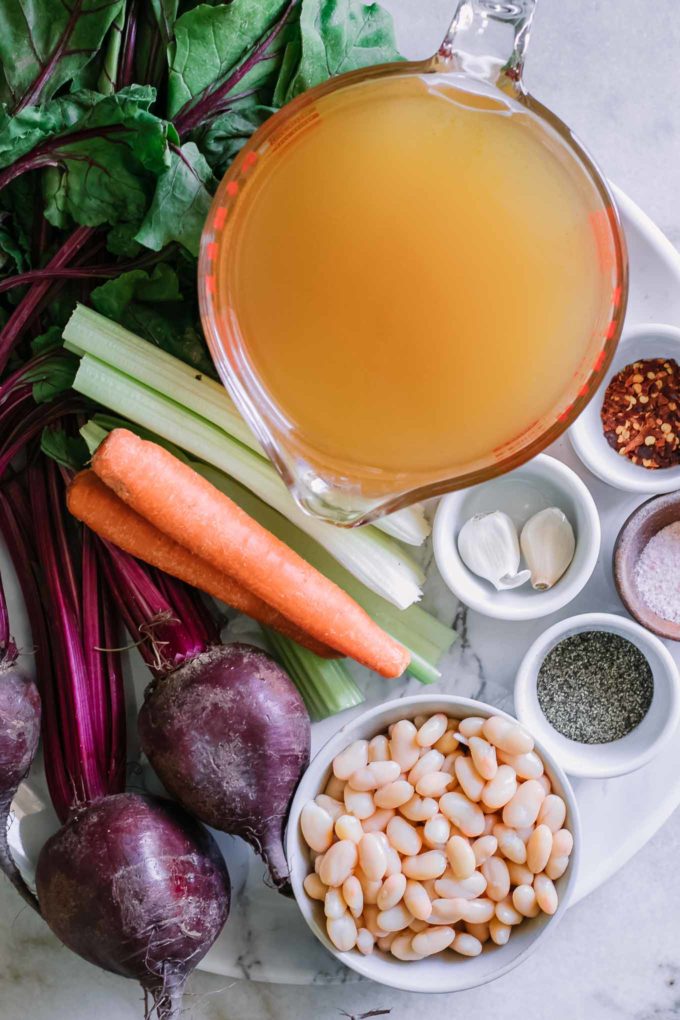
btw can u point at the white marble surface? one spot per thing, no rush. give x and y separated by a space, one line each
610 69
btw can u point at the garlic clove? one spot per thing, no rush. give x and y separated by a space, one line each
489 547
548 545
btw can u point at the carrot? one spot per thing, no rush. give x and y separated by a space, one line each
96 505
187 508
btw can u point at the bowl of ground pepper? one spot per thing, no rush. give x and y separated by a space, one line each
601 693
629 434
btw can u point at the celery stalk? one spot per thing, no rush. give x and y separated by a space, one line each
88 332
374 558
326 685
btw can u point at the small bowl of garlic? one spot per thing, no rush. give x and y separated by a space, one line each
521 546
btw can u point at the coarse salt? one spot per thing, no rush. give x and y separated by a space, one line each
657 573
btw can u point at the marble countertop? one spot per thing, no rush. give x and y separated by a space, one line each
610 69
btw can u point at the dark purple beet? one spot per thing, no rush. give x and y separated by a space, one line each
133 885
228 735
19 736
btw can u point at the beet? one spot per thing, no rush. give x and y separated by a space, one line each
229 736
135 886
19 736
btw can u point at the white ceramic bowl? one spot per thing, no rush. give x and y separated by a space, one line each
433 974
601 761
650 340
540 483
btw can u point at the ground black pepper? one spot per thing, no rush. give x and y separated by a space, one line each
595 687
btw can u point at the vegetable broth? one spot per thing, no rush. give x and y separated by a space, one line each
415 272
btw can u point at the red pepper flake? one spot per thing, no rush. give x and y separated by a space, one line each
641 413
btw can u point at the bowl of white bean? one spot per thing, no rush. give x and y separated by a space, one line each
432 843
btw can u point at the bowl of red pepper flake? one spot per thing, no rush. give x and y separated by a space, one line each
641 413
629 435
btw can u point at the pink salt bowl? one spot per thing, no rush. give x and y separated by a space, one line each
642 525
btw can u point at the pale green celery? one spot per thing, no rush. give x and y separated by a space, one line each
425 637
326 685
88 332
374 558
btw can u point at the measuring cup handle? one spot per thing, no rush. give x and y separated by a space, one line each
488 39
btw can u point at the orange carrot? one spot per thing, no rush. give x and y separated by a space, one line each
96 505
187 508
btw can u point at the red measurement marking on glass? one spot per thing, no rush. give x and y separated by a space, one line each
611 330
210 284
599 361
232 188
565 414
602 230
211 250
617 296
250 160
220 217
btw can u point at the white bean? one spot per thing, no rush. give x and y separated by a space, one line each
497 876
386 941
416 925
461 857
334 788
539 848
352 758
403 950
449 764
419 809
433 940
524 901
314 887
484 757
466 945
507 913
379 820
432 730
501 789
318 861
472 726
556 867
353 895
510 844
523 809
403 746
447 743
334 903
391 892
365 941
499 932
434 784
379 749
359 804
552 812
393 862
403 836
349 827
393 795
491 818
431 761
419 720
370 889
468 817
520 874
461 888
317 827
483 848
527 766
374 775
524 832
545 783
416 900
479 911
431 864
342 931
480 931
338 862
562 844
507 736
333 807
469 778
395 919
546 894
372 856
436 831
371 914
447 911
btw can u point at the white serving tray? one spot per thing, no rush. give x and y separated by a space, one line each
266 938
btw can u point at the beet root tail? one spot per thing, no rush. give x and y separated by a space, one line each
272 853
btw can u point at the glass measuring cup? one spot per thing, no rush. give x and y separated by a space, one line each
327 472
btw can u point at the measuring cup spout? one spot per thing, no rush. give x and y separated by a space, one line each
487 40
